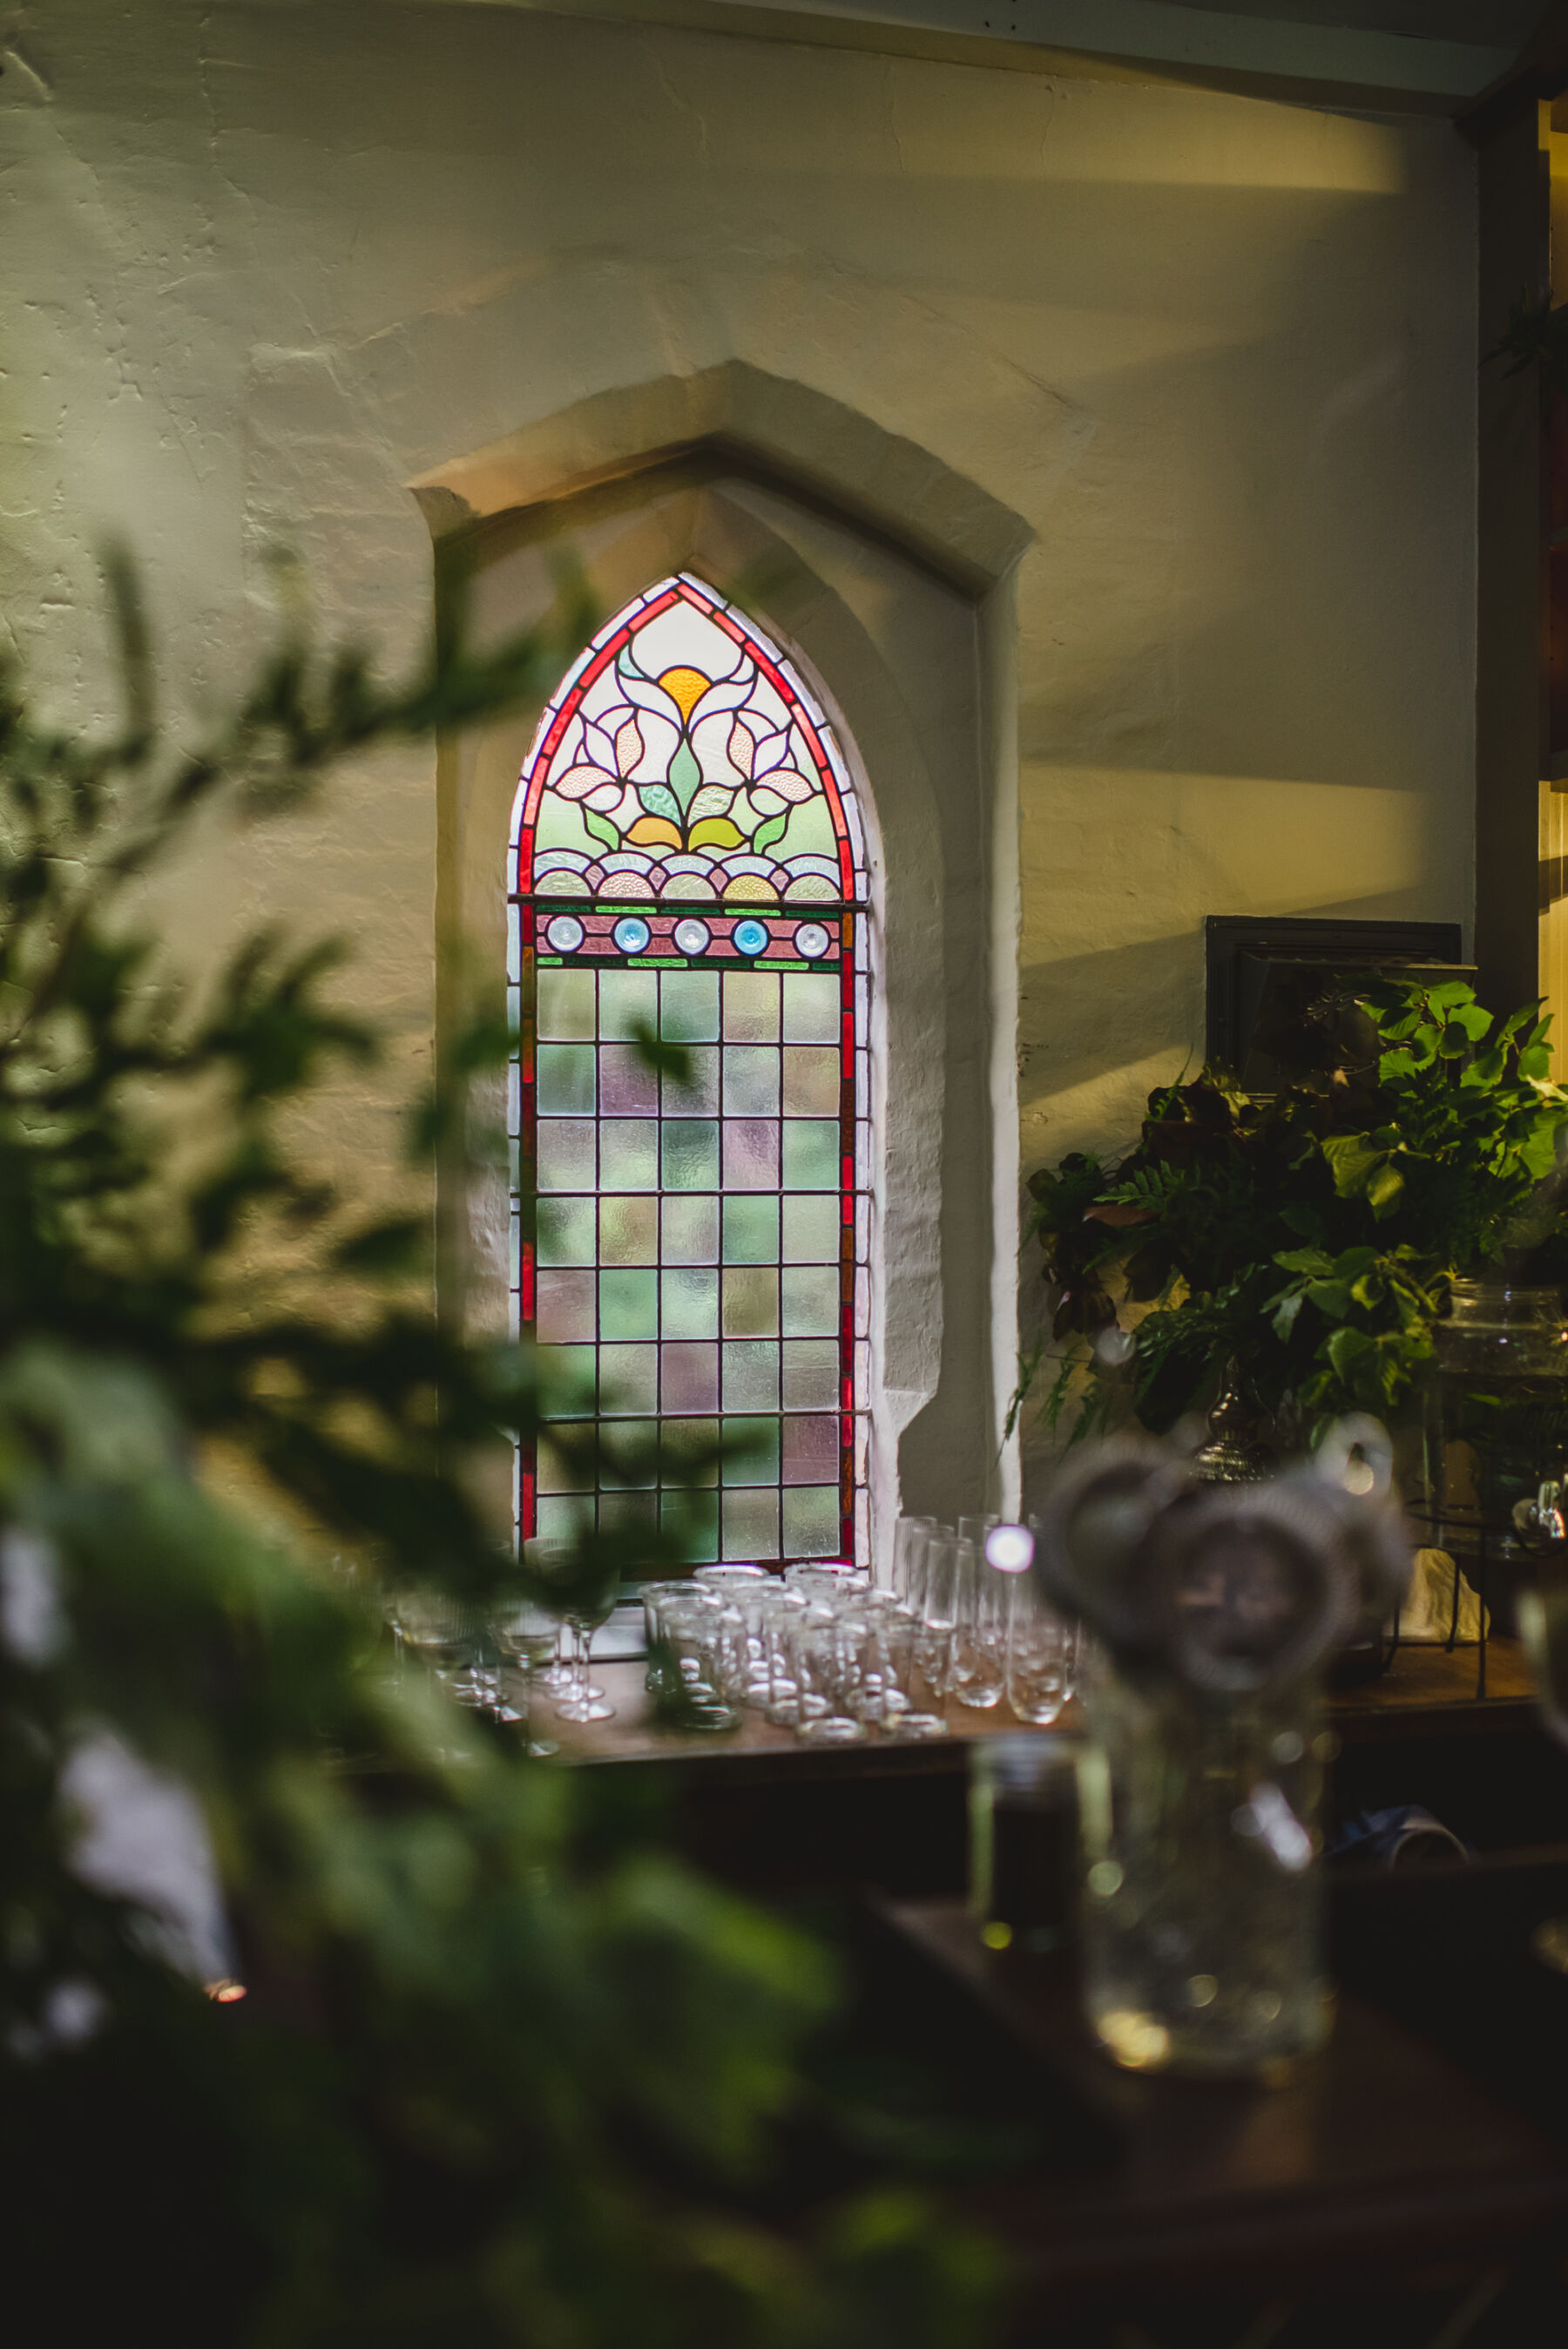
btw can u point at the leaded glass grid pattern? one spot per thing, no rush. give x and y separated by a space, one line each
694 1257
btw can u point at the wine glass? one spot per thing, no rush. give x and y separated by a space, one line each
527 1632
581 1585
442 1631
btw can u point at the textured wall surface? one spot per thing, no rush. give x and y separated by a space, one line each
264 265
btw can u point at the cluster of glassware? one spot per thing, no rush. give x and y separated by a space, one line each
822 1651
468 1647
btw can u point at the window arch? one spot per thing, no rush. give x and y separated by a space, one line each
689 859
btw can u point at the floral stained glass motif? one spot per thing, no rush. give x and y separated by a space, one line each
687 862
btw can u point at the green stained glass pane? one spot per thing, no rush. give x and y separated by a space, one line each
628 1305
566 1158
566 1229
810 831
629 1453
561 825
690 1523
630 1516
691 1230
627 999
750 1007
566 1308
811 1226
566 1073
808 1298
810 1155
697 1095
751 1229
810 1523
810 1081
688 1006
811 1007
691 1154
568 1457
750 1452
809 1375
691 1303
750 1301
750 1080
563 1520
566 1005
629 1154
689 1449
749 1526
566 1376
750 1374
628 1380
628 1231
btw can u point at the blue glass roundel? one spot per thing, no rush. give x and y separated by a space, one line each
692 935
812 941
750 938
631 935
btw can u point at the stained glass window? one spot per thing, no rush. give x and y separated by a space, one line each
687 861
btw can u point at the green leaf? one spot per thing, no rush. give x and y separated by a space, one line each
1391 1065
1486 1067
1285 1319
1535 1061
1346 1348
1330 1297
1304 1260
600 828
1453 1043
773 828
1385 1189
1353 1160
659 800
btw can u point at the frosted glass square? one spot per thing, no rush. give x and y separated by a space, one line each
810 1155
566 1154
565 1079
628 1231
566 1005
630 1517
810 1081
808 1300
750 1301
749 1527
629 1454
563 1520
690 1378
751 1229
811 1374
750 1452
628 1305
697 1095
566 1380
565 1309
689 1448
812 1229
691 1303
811 1454
750 1154
628 1380
750 1007
689 1006
566 1459
691 1230
750 1080
810 1522
811 1007
691 1154
628 1000
750 1374
629 1154
566 1231
628 1087
689 1522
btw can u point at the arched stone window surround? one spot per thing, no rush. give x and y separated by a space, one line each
887 579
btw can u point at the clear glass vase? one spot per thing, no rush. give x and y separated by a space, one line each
1497 1425
1203 1927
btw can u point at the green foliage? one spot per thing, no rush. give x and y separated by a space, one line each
505 2073
1309 1235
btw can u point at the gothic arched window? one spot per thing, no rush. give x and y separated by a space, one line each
689 861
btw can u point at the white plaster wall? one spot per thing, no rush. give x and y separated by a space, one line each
264 265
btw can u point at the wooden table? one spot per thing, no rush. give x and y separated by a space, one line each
1379 2157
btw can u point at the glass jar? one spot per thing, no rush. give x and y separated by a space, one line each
1202 1900
1497 1423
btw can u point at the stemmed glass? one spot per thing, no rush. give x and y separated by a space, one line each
528 1632
583 1585
444 1632
1543 1611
